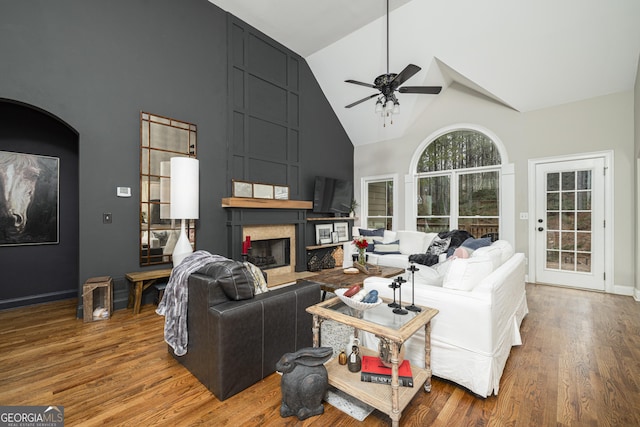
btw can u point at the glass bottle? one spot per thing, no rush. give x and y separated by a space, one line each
355 362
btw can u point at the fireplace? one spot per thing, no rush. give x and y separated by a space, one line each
269 222
270 253
273 247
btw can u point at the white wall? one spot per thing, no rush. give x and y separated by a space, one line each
603 123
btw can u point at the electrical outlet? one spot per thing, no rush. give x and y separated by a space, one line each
524 215
106 218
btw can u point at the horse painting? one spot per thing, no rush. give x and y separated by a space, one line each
28 198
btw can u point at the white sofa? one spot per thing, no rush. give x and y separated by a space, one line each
409 243
481 304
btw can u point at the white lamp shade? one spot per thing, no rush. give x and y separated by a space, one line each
185 188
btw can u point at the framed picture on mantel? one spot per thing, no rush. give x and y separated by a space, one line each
262 191
242 189
281 192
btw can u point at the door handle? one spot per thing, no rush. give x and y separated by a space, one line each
540 229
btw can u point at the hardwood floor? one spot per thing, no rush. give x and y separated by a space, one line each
579 365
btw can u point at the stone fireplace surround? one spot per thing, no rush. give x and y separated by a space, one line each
278 231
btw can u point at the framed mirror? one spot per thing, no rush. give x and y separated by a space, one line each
161 138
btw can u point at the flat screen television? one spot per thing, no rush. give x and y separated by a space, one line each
332 196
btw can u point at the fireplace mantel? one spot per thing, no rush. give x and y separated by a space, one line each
242 202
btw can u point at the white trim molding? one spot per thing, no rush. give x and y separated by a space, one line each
609 234
364 195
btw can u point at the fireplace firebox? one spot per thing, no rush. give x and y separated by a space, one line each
270 253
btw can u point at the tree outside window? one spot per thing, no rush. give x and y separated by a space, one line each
458 179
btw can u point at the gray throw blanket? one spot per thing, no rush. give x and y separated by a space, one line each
176 297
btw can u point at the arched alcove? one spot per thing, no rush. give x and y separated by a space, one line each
40 270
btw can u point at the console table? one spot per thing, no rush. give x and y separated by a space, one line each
141 280
395 329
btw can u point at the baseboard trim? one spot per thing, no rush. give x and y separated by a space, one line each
623 290
38 299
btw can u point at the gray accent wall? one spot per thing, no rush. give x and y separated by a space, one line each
96 65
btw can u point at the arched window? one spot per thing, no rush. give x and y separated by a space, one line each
458 184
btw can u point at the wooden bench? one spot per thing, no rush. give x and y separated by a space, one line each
140 281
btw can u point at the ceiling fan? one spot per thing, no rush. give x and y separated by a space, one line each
389 83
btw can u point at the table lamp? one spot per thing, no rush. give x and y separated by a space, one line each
185 189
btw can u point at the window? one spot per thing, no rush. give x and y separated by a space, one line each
378 206
458 184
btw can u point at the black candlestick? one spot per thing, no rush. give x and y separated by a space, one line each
413 306
399 309
394 285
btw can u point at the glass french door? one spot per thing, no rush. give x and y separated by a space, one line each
570 223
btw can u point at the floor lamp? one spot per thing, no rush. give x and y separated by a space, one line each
185 189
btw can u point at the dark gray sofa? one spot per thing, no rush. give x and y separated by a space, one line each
234 344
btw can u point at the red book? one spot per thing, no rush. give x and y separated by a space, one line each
374 371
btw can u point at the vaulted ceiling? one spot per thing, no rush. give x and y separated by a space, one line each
526 55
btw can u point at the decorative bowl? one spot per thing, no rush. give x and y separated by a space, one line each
358 305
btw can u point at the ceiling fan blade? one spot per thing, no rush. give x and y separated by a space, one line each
404 75
355 82
362 100
431 90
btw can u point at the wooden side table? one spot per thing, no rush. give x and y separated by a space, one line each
140 281
396 330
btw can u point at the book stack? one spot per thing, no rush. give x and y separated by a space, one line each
373 371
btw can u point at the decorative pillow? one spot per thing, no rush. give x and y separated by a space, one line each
259 281
379 232
505 248
465 274
469 246
461 252
413 242
389 236
386 248
474 244
438 246
371 236
493 253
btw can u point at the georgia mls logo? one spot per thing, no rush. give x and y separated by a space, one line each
31 416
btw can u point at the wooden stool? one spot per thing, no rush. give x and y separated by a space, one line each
97 292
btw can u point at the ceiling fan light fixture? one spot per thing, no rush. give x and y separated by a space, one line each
378 106
387 84
389 105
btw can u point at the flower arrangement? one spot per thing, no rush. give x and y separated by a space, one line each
362 244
